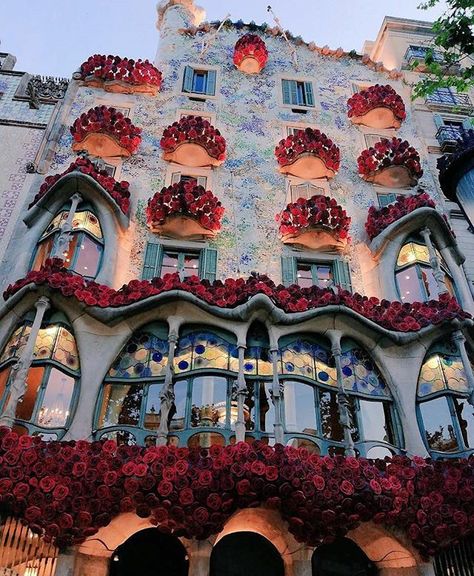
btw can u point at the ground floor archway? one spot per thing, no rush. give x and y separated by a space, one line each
342 558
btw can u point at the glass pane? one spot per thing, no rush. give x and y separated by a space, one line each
421 253
429 283
454 373
85 220
323 275
210 351
43 251
70 251
330 419
88 257
304 276
25 407
206 440
16 343
300 411
199 82
152 410
143 356
438 425
121 404
169 264
45 342
180 393
465 413
209 401
257 361
376 421
266 419
56 403
406 255
361 375
304 443
249 406
191 265
56 222
65 350
122 437
409 286
431 376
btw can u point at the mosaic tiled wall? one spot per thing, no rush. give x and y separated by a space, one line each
16 110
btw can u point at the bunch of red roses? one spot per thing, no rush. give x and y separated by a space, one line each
387 153
68 490
320 211
196 130
110 121
379 218
250 45
186 199
308 141
119 191
407 317
109 68
377 96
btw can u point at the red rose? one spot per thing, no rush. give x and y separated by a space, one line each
165 488
47 483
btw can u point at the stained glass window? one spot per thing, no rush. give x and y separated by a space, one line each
16 343
203 349
309 359
442 372
361 375
144 356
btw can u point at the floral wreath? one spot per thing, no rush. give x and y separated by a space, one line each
309 141
377 96
110 68
387 153
194 129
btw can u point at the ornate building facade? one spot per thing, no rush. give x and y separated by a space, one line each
236 330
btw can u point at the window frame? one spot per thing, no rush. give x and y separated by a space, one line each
308 87
200 96
340 267
197 173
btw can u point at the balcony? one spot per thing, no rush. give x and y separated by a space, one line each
448 137
447 100
419 53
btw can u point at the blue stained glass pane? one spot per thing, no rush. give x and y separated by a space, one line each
248 366
146 373
200 349
290 367
347 371
323 376
131 348
183 365
139 368
157 356
234 351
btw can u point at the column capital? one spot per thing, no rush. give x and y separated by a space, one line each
42 304
458 336
76 198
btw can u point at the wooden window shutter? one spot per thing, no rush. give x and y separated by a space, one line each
342 274
438 120
175 177
152 260
286 91
211 83
468 124
208 264
308 92
288 270
188 79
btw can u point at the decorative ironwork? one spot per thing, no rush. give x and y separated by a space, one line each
46 90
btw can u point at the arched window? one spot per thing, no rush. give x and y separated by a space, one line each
84 252
341 558
52 381
414 275
312 418
446 418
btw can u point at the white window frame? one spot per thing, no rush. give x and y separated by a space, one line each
294 181
295 126
122 105
188 171
198 95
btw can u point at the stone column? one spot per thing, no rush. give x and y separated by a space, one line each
62 243
167 396
277 395
241 393
342 396
19 372
434 261
460 343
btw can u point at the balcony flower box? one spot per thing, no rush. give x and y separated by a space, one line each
104 132
193 141
119 191
392 163
380 218
250 54
120 75
378 107
317 223
308 154
184 210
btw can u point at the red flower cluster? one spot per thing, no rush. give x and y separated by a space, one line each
187 199
196 130
231 293
68 490
118 190
379 218
308 141
116 68
386 153
108 121
250 45
317 211
377 96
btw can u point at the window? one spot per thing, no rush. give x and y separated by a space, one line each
450 129
372 139
305 190
197 81
311 407
177 177
448 98
446 417
324 274
455 560
297 93
83 254
414 275
51 381
160 260
385 199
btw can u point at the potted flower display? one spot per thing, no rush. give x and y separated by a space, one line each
250 54
377 106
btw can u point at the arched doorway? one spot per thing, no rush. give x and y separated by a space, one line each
341 558
245 553
149 553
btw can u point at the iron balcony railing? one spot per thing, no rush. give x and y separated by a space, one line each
447 99
419 54
448 137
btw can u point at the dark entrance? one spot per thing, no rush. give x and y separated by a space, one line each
149 553
342 558
245 554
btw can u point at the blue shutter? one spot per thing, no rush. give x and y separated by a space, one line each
286 91
342 274
438 120
288 270
211 83
386 199
188 79
468 124
208 264
294 93
152 260
308 93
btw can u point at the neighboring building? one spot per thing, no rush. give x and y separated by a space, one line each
339 323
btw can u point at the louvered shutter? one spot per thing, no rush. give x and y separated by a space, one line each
342 274
152 260
208 264
211 83
386 199
308 93
175 177
468 124
438 120
202 181
188 79
288 270
286 91
294 93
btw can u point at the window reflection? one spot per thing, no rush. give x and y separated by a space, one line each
209 401
121 405
438 424
54 410
300 413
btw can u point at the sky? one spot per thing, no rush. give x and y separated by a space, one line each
53 37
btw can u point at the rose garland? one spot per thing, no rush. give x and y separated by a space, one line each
379 218
187 199
119 191
317 211
377 96
390 152
231 293
308 141
250 45
194 129
109 68
108 121
68 490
